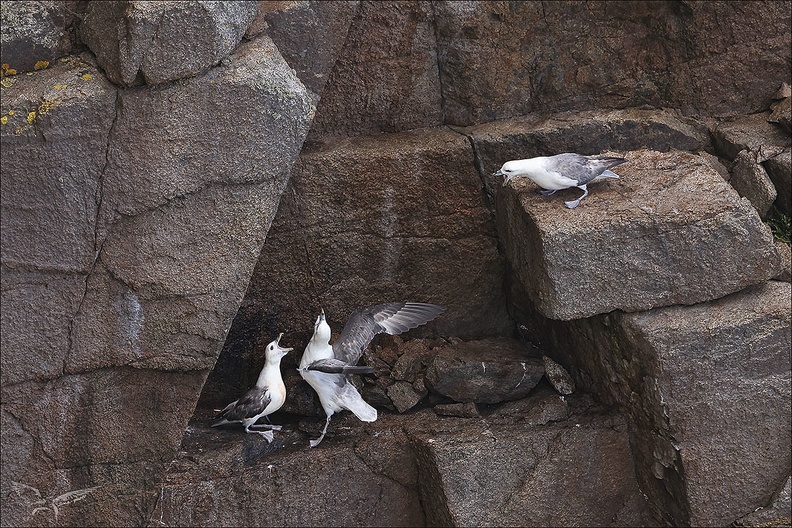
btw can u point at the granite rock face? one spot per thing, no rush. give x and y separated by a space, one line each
499 60
385 79
309 35
129 234
706 389
155 42
670 231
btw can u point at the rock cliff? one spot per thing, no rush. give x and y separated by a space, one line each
181 181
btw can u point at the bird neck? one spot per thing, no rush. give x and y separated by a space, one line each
269 374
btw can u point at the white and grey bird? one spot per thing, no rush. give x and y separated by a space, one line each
562 171
327 368
266 396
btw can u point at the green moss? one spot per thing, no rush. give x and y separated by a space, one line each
780 224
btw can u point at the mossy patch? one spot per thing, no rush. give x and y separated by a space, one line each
780 224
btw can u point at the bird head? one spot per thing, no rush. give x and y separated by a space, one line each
509 170
321 329
274 351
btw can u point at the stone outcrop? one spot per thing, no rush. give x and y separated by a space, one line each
155 42
670 231
411 470
705 389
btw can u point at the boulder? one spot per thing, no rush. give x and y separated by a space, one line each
385 78
155 42
485 371
500 60
670 231
33 35
706 392
309 35
750 180
590 132
130 230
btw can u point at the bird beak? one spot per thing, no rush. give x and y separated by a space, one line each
277 342
322 315
498 173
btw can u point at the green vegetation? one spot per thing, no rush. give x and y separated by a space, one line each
780 224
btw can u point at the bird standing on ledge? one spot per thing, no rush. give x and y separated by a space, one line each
561 171
266 396
327 367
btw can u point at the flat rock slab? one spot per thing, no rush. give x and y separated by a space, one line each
415 469
670 231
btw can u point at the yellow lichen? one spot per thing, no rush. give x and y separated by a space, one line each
4 120
31 118
7 83
60 86
5 69
10 112
45 107
86 77
40 65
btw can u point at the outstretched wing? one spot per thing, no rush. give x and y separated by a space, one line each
392 318
336 366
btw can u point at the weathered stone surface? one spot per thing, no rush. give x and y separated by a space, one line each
362 222
157 42
781 108
54 150
751 181
779 168
309 34
485 371
33 34
779 513
566 475
590 132
404 396
670 231
135 231
707 392
498 60
461 410
385 79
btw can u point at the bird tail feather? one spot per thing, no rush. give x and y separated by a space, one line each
351 399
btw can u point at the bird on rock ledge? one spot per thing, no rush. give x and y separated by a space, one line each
266 396
562 171
327 368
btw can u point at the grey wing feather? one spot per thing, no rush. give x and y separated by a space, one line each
336 366
392 318
582 168
252 403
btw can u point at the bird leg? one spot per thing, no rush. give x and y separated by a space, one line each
315 443
574 203
268 426
268 436
546 192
